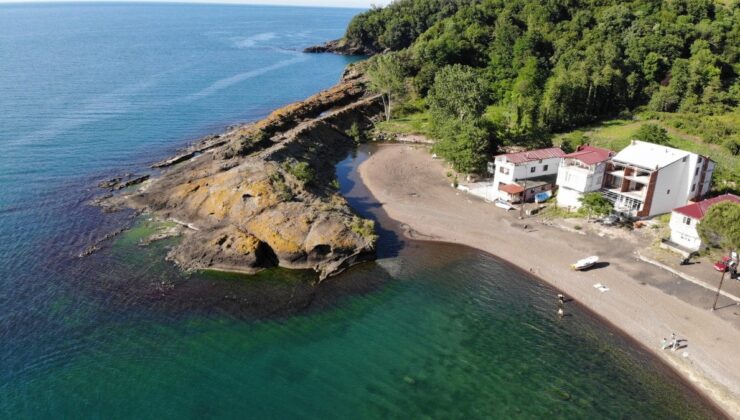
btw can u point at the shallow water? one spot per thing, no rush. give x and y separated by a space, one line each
91 91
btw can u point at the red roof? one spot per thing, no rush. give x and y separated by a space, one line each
510 188
590 154
698 210
530 155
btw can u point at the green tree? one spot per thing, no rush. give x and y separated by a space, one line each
458 92
465 144
653 133
566 146
387 79
721 226
594 204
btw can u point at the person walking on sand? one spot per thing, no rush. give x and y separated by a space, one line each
675 345
664 344
561 314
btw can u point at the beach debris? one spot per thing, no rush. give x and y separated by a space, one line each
601 288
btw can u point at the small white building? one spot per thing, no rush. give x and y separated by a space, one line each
520 176
684 220
581 172
646 179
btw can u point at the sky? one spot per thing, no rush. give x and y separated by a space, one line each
327 3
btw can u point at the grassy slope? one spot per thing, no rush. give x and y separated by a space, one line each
616 134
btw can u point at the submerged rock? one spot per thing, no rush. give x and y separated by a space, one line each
260 195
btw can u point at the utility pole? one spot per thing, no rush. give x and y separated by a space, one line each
524 193
716 297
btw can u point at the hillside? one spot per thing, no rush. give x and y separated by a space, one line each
523 70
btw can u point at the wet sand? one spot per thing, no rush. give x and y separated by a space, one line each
413 190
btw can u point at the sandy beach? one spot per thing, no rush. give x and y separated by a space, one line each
413 190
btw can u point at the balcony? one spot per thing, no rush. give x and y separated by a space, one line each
627 201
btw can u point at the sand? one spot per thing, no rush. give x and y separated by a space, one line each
414 190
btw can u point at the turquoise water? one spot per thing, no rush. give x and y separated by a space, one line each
88 91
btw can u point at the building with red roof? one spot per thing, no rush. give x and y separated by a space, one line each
523 176
581 172
685 219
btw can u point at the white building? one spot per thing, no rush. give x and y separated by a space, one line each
684 220
646 179
522 175
580 172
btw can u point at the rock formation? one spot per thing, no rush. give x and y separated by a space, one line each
340 46
264 194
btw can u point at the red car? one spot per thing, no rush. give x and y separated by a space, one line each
724 264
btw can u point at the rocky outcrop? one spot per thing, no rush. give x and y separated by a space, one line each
340 46
261 195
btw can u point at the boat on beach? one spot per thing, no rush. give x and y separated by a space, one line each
585 263
503 204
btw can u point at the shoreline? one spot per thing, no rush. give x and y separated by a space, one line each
413 192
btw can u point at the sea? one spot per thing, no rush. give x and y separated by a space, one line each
90 91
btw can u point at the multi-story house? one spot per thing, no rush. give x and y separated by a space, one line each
520 176
581 172
646 179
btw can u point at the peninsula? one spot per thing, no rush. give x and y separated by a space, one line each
265 194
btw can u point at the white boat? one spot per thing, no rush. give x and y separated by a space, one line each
585 263
503 204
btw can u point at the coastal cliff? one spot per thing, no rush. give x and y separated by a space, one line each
265 194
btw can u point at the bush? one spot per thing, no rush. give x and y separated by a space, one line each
251 144
365 228
653 133
733 145
283 191
357 134
594 204
302 171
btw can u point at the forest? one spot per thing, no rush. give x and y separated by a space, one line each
494 73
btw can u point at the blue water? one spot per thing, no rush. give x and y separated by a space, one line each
90 91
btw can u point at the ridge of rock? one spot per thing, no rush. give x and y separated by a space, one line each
261 194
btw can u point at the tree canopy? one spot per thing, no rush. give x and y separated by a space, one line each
386 78
552 65
721 226
653 134
594 204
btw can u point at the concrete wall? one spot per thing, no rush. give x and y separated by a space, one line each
684 234
569 198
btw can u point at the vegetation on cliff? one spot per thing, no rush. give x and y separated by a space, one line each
552 66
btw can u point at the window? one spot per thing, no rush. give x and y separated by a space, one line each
699 161
693 188
544 168
503 170
668 192
697 171
531 170
687 220
684 159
